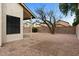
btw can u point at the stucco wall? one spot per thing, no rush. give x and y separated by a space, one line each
0 24
12 9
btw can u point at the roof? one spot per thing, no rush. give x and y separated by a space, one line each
62 21
29 11
60 25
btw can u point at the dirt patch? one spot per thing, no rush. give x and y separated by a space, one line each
42 44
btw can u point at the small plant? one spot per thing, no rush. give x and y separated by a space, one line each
34 29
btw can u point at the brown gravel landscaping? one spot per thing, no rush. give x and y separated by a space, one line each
42 44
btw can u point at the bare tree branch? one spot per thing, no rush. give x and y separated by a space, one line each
48 18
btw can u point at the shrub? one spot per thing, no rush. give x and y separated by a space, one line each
76 22
34 29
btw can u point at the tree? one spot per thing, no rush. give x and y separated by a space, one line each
48 18
65 8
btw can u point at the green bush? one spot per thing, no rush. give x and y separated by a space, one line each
77 11
34 29
76 22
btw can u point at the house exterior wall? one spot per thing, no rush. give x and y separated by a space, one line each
0 24
12 9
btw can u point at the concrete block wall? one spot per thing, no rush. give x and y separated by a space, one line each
60 30
26 29
66 30
43 29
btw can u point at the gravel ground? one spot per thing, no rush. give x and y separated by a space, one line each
42 44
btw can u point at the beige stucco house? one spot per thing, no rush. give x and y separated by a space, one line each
61 23
11 21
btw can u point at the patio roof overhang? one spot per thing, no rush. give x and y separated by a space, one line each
27 13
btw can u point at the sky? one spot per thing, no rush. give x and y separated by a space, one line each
50 6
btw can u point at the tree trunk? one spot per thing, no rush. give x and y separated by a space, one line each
50 27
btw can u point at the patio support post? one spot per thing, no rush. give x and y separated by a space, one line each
31 28
31 24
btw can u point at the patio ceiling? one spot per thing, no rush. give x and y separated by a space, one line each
27 13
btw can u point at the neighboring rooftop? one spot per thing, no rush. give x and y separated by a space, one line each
61 23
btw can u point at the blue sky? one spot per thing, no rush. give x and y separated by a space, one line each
50 6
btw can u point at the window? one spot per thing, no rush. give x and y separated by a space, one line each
12 25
